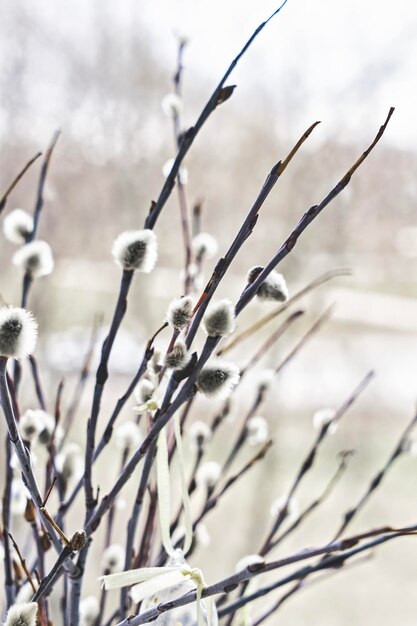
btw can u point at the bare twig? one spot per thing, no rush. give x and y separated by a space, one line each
78 391
250 290
253 328
226 585
310 458
189 136
244 232
41 185
13 184
334 480
23 563
36 379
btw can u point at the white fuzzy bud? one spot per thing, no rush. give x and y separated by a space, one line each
218 378
257 430
180 312
127 435
89 610
208 474
49 428
120 504
171 104
70 463
198 434
24 594
219 319
204 245
155 364
31 424
18 332
292 507
17 226
273 288
17 468
410 447
19 498
322 417
136 250
22 615
144 391
182 172
265 380
247 561
178 357
202 535
113 559
35 258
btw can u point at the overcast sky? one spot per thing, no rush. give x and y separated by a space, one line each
355 58
348 62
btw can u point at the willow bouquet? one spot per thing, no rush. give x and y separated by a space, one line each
149 557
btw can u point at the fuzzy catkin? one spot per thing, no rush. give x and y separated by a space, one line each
321 417
247 561
204 245
22 615
70 462
257 430
219 320
208 474
113 558
127 435
17 226
18 332
198 434
30 425
178 357
182 172
218 378
180 312
273 288
136 250
171 104
35 258
144 390
89 610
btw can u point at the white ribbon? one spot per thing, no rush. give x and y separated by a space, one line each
149 581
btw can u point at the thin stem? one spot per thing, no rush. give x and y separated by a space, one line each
38 385
250 290
253 328
101 378
226 585
13 184
22 452
133 523
244 232
6 515
78 391
41 186
308 462
215 99
109 428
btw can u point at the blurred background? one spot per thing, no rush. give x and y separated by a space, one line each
99 70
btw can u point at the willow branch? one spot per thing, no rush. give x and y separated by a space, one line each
215 99
13 184
253 328
250 290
